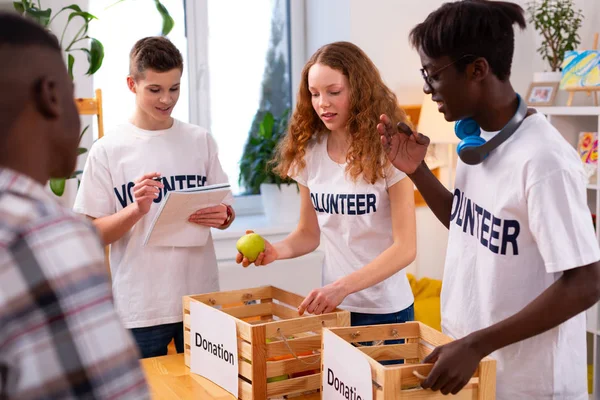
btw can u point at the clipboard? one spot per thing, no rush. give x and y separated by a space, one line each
170 226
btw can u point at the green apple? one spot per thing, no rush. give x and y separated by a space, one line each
251 245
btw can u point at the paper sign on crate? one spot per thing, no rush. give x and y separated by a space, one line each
346 372
214 350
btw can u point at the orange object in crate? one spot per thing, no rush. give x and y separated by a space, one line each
273 314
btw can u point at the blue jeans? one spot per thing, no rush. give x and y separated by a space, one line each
153 340
359 319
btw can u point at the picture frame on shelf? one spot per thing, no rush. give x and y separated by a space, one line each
542 93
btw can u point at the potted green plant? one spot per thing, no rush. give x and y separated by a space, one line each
280 197
558 23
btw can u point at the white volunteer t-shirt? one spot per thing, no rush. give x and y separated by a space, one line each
518 220
356 227
149 281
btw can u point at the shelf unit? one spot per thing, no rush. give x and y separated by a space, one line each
570 121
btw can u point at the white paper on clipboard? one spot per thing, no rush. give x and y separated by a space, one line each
171 227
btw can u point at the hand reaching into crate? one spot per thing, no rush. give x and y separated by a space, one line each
323 300
454 365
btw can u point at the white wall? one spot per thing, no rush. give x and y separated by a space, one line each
381 28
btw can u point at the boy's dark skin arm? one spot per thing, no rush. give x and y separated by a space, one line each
406 150
435 194
455 363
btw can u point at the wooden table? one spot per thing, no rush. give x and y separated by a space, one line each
169 378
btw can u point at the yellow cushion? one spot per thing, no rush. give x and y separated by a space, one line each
427 300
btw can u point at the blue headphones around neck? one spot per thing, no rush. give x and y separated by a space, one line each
473 149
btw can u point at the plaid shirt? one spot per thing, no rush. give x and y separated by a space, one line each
60 336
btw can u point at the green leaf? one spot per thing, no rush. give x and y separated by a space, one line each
71 62
268 122
57 185
81 150
19 7
41 16
83 132
87 17
95 56
168 22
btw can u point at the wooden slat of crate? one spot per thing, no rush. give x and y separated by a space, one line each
245 390
294 385
311 396
246 369
259 362
466 394
433 337
287 297
284 312
370 333
391 351
300 345
487 375
251 310
267 318
312 323
234 296
417 358
291 366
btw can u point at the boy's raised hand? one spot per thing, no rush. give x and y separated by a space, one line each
264 258
145 190
406 149
213 217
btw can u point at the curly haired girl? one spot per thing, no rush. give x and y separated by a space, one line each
352 198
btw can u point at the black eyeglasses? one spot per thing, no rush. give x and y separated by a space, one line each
427 76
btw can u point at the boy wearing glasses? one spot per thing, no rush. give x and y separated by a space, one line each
522 260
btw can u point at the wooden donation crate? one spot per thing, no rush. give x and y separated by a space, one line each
402 381
278 350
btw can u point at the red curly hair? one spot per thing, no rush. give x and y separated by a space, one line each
369 98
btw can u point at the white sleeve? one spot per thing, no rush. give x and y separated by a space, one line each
561 222
95 196
215 173
299 176
392 175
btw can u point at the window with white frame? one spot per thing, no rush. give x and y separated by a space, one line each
239 54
